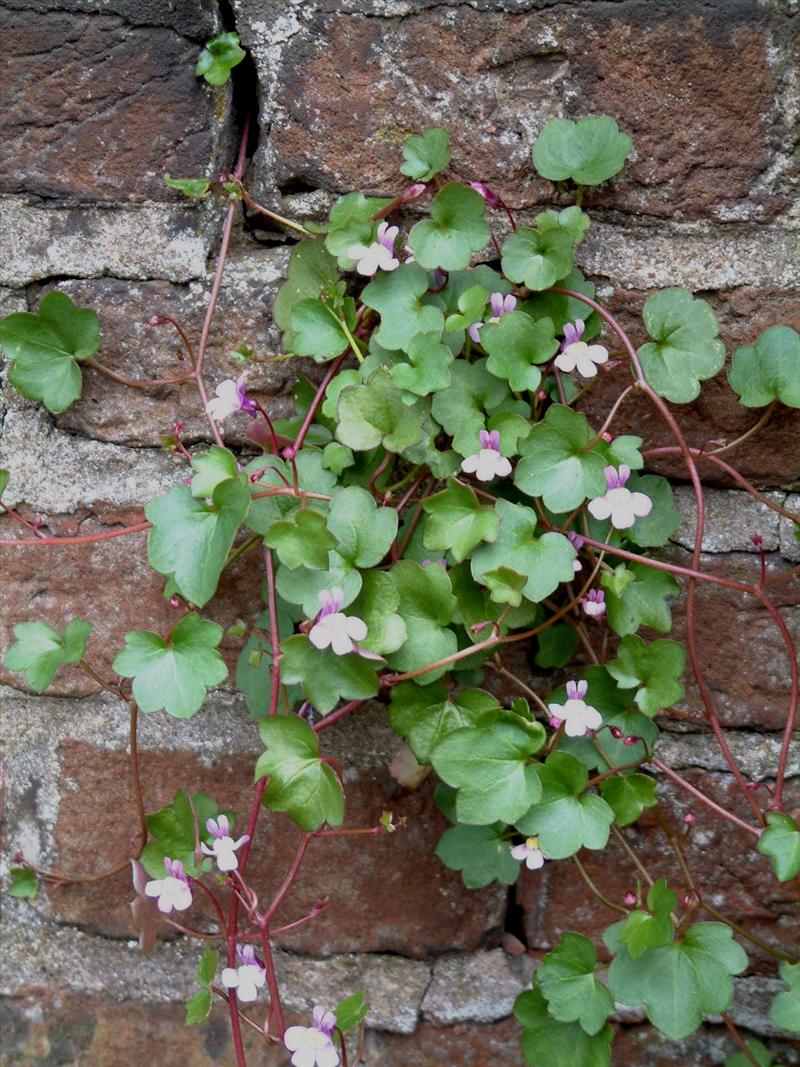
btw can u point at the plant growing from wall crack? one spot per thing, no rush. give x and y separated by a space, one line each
436 498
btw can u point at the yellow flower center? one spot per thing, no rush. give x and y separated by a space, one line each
532 842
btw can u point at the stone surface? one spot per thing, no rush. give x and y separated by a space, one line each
702 89
99 109
143 241
479 988
790 544
731 520
375 893
742 654
110 411
727 871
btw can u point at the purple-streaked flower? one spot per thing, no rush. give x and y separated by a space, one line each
231 396
379 255
248 977
489 195
500 305
224 847
594 603
173 892
312 1046
529 853
332 628
576 715
442 562
575 354
490 462
619 504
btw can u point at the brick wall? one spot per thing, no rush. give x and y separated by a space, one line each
100 101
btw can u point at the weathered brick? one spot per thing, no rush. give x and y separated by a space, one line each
698 86
98 109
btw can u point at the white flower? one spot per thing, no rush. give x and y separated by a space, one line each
577 716
224 847
490 462
173 892
332 628
248 978
231 396
379 255
312 1045
619 504
530 853
577 355
594 603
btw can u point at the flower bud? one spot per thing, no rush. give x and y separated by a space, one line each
615 732
489 195
688 818
412 192
629 900
156 320
174 601
632 739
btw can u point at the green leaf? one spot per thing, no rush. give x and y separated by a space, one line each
220 55
454 231
481 853
40 651
471 304
351 223
377 605
212 467
190 539
173 674
567 980
425 154
557 646
461 408
515 344
172 832
505 586
653 530
567 818
426 604
684 350
652 928
589 151
428 369
312 272
545 561
198 1007
781 842
351 1012
785 1009
300 784
488 764
317 330
681 982
3 480
628 795
364 531
656 669
312 477
374 414
301 540
557 1044
24 883
561 309
538 258
768 371
326 677
426 718
396 296
196 188
760 1052
45 349
337 458
303 586
557 464
456 521
642 602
